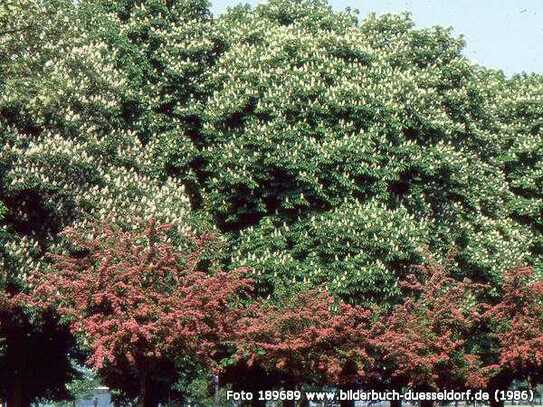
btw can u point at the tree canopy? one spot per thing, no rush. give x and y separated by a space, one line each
328 153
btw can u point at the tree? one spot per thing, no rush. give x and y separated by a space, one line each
314 116
165 49
36 361
308 338
518 102
141 305
516 330
332 153
68 155
424 343
357 251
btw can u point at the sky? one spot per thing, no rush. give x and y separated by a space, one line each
502 34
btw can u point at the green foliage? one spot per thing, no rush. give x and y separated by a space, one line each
71 153
197 389
521 121
356 250
306 115
329 151
286 114
81 387
163 48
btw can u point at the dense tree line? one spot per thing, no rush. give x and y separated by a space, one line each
282 196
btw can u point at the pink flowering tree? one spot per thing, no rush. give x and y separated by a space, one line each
515 325
139 304
422 343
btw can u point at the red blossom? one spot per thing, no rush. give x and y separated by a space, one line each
136 299
308 338
517 321
421 341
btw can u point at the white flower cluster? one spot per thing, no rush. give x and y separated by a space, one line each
332 151
82 165
351 248
306 116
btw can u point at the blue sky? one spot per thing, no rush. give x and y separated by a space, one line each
503 34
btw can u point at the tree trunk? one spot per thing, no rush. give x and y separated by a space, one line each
146 392
257 403
426 403
395 403
501 382
16 396
216 398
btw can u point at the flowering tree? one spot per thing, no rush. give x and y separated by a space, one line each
67 155
307 338
318 122
69 148
517 103
330 149
164 48
516 327
139 304
424 342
